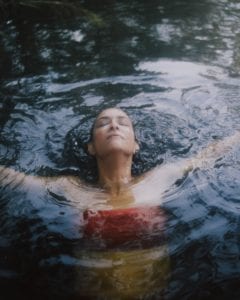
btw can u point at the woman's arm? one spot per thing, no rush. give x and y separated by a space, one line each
11 179
157 182
216 150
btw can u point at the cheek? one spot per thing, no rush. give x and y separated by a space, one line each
99 140
98 135
130 136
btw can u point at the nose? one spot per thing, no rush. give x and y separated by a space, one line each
114 124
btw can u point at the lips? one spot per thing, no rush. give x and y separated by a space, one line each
114 135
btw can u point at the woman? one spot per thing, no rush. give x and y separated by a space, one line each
123 224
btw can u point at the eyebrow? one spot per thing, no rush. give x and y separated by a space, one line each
119 116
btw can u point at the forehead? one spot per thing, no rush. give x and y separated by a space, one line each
111 113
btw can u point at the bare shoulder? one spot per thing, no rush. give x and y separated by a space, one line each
152 186
75 190
64 181
170 170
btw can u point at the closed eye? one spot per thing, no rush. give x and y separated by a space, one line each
102 122
124 121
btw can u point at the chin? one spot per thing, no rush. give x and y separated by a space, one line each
118 150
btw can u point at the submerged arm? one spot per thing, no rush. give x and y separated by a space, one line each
208 156
9 178
158 181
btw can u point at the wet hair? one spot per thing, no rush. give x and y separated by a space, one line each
159 135
76 148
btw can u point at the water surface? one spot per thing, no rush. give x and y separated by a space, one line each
174 67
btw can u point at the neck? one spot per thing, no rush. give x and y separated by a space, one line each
114 172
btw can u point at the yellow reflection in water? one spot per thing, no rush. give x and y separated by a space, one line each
133 274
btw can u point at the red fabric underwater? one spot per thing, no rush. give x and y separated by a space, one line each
136 226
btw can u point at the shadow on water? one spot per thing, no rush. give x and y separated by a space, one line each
174 67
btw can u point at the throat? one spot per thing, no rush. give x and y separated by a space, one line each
115 175
115 185
119 195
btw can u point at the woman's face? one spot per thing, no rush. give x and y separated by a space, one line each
113 133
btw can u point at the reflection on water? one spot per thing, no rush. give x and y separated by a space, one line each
124 274
174 67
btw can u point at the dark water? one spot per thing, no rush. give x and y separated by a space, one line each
174 66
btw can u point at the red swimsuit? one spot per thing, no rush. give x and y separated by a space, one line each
136 227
